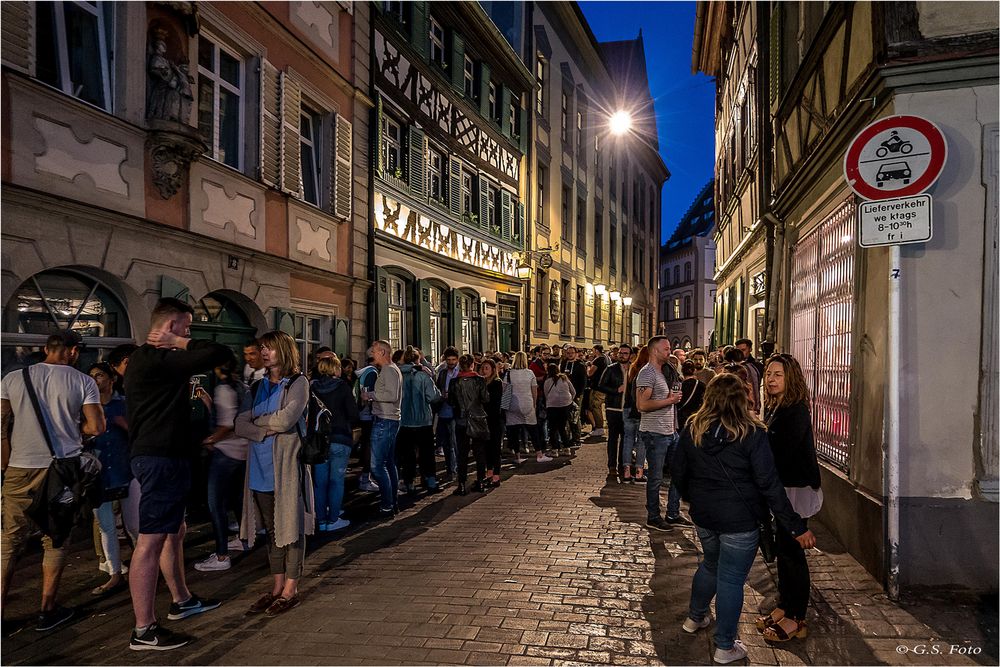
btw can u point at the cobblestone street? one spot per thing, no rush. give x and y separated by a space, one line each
554 567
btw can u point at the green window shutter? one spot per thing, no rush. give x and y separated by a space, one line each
424 315
284 320
173 289
419 28
455 186
775 52
381 314
506 214
341 337
455 319
484 90
379 147
505 127
484 205
479 306
456 59
416 144
518 235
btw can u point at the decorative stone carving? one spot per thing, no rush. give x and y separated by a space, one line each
554 300
172 147
69 157
224 210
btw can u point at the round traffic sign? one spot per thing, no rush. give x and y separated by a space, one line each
897 156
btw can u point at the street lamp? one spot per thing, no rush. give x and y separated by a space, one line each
600 289
616 295
523 270
620 123
627 301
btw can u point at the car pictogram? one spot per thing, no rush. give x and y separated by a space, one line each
893 171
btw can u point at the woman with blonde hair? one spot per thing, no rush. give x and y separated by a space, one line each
523 394
723 467
337 394
278 491
789 430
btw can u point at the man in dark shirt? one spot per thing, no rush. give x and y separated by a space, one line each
576 370
158 396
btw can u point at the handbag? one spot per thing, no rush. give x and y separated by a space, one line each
477 427
71 489
767 541
506 396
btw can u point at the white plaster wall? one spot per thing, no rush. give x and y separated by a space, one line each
942 303
940 19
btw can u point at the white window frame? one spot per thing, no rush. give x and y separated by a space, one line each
435 34
303 341
315 145
437 173
399 309
392 144
470 78
219 83
62 48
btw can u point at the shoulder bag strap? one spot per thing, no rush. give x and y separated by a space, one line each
738 492
30 388
691 395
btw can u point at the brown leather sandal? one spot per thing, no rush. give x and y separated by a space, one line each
774 633
766 621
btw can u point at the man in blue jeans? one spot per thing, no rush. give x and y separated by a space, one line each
655 402
445 433
386 402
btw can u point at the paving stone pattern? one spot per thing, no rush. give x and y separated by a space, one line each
554 567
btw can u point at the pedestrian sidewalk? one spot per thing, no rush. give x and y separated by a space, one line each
554 567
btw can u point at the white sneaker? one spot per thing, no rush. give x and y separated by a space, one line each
693 627
213 564
338 524
598 433
369 486
236 544
726 656
543 458
234 527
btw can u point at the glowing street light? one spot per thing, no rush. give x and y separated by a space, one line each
620 123
600 289
627 301
616 295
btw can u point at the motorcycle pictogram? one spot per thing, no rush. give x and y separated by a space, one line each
894 145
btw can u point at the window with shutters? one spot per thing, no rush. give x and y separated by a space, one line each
435 175
392 139
581 303
220 100
541 98
436 36
581 225
470 78
567 222
395 10
676 308
310 155
564 118
308 336
73 44
468 206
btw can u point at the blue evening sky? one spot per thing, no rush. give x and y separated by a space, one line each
685 103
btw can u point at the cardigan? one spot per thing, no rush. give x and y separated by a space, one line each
294 503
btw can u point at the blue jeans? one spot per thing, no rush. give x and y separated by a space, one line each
658 447
721 574
328 479
223 473
445 436
632 440
384 460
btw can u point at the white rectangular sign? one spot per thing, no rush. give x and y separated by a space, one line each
895 221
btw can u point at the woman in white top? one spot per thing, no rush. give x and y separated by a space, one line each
521 411
559 394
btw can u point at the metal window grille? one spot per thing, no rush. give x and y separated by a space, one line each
822 322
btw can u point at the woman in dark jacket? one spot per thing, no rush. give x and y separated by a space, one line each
337 395
724 469
692 394
469 398
789 430
494 417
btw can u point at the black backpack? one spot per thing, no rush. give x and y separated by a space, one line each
319 425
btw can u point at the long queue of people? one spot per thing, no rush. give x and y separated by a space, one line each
398 413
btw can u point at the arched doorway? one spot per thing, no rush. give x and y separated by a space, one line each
60 299
219 319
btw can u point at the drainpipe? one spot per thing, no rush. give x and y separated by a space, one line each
775 229
529 59
373 315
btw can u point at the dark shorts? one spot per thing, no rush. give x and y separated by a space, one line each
164 484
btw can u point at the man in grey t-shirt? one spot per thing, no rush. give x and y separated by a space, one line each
655 401
63 393
386 400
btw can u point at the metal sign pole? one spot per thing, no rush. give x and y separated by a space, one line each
892 437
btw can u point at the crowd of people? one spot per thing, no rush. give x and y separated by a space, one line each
728 434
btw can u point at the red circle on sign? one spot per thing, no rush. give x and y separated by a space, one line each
930 131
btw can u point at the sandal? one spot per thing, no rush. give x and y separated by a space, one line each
109 588
775 633
766 621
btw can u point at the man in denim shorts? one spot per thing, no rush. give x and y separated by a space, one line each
157 394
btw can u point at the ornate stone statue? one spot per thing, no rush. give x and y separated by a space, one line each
169 96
